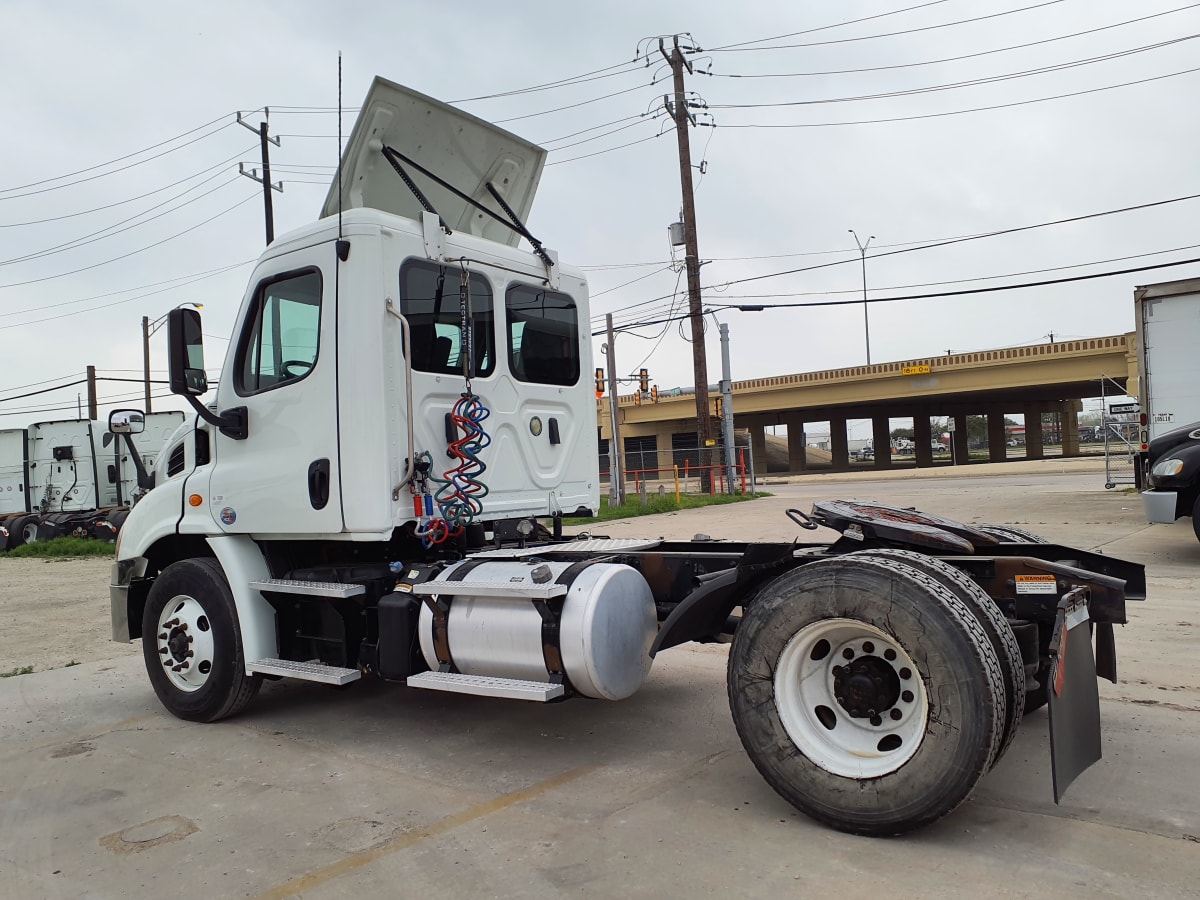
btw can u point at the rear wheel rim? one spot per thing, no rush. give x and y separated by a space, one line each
850 698
185 643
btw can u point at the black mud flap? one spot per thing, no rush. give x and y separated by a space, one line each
1073 697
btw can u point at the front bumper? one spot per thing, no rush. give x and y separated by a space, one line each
1159 506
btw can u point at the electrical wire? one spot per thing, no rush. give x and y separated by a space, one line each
872 37
59 187
118 258
559 162
973 82
21 187
948 59
783 37
959 112
115 229
547 112
194 277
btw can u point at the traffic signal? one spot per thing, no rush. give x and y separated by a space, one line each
654 394
599 382
644 380
719 405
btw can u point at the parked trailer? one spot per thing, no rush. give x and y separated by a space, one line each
66 477
1168 334
404 410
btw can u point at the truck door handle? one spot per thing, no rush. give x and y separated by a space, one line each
318 483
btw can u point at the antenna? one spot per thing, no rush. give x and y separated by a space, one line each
343 246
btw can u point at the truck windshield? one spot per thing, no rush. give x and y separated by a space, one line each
429 300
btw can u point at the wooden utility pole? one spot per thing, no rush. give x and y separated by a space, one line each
616 456
93 412
678 111
265 140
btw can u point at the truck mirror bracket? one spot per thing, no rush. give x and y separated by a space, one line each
233 423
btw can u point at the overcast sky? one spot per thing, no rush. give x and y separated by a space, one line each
120 198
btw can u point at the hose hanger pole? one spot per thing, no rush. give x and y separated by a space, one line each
466 327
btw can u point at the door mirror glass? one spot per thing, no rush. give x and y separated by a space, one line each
185 352
126 421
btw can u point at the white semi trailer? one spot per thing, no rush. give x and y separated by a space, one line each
67 477
377 486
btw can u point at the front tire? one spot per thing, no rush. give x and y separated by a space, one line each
866 693
192 643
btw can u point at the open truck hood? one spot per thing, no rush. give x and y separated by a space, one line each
459 148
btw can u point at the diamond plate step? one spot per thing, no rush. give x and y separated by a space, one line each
306 671
309 588
486 686
524 589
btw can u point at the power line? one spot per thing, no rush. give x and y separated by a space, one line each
871 37
959 112
115 229
931 62
945 243
118 258
21 187
559 162
982 290
59 187
195 276
973 82
781 37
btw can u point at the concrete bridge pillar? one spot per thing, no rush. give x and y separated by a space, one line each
1069 412
959 439
839 446
1034 444
758 448
997 437
797 457
881 437
923 438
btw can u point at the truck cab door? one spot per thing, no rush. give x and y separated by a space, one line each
282 478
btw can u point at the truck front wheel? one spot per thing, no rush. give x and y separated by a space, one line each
192 643
867 695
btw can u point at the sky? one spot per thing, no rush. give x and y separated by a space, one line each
912 122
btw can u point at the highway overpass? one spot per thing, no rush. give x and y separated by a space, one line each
1029 381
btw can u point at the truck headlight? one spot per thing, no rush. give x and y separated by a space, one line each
1166 467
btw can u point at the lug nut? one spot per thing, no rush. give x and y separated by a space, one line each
896 714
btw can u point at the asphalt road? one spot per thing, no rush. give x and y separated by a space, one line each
385 791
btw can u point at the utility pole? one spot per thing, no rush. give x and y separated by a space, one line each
146 357
679 113
616 462
265 181
91 388
862 251
727 406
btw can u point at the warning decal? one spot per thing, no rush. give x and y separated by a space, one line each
1036 584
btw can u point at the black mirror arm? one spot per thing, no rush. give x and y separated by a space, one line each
145 480
233 423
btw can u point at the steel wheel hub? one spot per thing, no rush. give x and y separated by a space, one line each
185 643
850 698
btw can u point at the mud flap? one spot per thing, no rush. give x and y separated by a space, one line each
1073 696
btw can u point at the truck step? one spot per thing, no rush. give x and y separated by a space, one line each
486 686
305 671
522 589
590 545
309 588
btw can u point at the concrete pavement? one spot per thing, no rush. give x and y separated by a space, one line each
383 791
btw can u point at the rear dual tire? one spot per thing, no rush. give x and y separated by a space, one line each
867 693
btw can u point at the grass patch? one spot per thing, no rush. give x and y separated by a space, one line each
63 548
659 503
23 670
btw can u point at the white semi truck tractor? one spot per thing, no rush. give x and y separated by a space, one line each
376 486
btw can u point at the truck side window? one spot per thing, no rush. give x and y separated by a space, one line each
543 335
281 338
429 300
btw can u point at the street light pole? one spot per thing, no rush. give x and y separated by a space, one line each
862 252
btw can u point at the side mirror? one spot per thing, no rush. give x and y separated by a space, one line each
126 421
185 353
